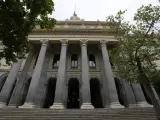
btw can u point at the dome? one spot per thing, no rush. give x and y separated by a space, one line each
75 17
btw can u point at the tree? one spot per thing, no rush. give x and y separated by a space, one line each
17 19
138 48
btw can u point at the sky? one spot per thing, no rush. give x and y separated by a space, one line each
93 10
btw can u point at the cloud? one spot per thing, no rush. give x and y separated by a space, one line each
97 9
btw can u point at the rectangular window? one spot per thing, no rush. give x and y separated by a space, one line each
56 61
74 61
92 62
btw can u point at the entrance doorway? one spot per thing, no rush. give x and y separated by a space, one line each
2 81
95 89
146 95
73 93
25 92
120 92
50 92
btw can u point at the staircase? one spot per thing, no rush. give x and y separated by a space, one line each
77 114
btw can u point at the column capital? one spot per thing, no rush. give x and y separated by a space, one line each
83 41
44 41
103 43
64 41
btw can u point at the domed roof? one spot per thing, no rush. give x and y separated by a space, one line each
75 17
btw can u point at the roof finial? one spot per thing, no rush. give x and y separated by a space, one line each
74 14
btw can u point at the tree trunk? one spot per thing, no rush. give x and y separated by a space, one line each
146 83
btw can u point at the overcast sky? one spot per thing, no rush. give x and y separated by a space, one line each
97 9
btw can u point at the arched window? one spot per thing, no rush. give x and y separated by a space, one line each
92 62
56 61
74 60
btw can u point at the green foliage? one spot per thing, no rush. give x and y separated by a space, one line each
17 19
138 47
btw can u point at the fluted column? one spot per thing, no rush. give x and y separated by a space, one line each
9 83
85 87
58 100
140 98
29 103
109 82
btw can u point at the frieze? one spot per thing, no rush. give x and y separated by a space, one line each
62 35
82 26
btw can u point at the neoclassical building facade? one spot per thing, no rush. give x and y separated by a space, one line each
69 67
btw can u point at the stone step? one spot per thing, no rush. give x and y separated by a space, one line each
77 114
52 114
68 110
47 118
82 118
89 116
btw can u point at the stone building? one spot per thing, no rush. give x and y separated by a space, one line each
69 67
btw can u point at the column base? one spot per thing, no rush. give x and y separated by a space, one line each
87 106
132 106
27 105
57 106
158 101
144 104
12 106
116 105
3 105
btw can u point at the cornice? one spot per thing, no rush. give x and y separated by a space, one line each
81 22
74 31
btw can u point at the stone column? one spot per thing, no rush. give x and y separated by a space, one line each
58 100
130 98
109 82
9 83
16 95
140 98
155 93
30 99
85 87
